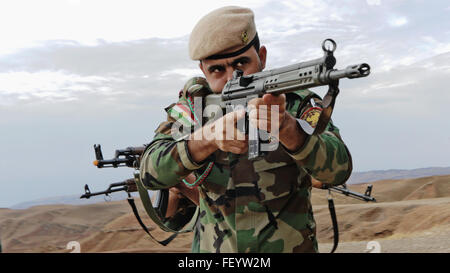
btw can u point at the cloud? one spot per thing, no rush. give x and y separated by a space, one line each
22 22
49 86
139 69
292 30
180 73
404 90
373 2
436 46
66 92
398 21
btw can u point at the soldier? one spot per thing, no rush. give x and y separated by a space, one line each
245 206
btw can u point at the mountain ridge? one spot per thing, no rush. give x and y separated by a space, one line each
407 208
355 178
376 175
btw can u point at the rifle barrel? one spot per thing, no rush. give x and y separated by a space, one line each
106 192
113 162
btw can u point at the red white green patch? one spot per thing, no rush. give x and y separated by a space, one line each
182 114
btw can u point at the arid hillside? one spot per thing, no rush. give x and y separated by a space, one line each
411 215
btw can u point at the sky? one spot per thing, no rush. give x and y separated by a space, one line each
75 73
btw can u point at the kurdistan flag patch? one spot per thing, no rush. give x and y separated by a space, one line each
182 114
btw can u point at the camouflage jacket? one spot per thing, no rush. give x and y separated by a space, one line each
260 206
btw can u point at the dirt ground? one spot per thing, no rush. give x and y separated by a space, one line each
434 241
411 216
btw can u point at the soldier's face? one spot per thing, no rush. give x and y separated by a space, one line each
218 72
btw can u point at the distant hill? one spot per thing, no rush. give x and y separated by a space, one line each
391 190
71 200
355 178
371 176
406 208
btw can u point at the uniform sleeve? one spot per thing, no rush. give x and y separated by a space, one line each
325 156
165 163
166 160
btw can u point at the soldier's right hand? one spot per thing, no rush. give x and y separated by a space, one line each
221 134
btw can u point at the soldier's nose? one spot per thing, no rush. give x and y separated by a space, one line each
229 74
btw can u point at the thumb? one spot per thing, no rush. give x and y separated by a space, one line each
273 99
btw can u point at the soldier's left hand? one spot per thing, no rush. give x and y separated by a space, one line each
267 113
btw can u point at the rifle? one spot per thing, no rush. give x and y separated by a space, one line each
238 91
128 186
128 157
156 210
345 191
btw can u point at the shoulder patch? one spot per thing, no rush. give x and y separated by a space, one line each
312 116
182 113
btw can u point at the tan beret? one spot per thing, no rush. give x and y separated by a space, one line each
221 30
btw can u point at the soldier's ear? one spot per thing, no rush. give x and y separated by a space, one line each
200 65
262 53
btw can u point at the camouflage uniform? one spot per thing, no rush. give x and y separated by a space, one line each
261 206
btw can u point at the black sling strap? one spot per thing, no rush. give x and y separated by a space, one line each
334 220
136 214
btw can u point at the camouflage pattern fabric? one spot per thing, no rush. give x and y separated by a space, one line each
260 206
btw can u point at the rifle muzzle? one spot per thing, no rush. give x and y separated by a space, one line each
351 72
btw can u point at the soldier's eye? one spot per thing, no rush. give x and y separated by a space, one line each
239 63
216 69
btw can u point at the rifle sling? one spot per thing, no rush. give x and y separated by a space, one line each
327 110
148 206
153 215
136 214
335 224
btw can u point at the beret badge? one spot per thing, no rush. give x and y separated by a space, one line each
244 36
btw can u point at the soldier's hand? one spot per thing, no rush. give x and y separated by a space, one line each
191 193
226 136
172 205
267 113
220 134
316 183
